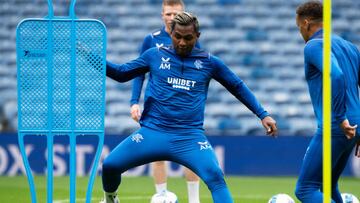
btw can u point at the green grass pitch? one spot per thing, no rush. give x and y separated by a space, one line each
140 189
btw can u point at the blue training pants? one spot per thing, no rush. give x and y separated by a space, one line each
309 184
189 148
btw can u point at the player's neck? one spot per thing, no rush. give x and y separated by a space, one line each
167 30
313 31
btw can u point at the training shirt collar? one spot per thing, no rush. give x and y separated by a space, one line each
318 34
196 52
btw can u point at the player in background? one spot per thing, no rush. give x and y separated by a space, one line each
173 116
345 63
159 38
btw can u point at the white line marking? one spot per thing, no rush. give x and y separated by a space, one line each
148 197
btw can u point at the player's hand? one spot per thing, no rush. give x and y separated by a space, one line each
349 130
269 125
135 112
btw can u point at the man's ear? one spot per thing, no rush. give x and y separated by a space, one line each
198 34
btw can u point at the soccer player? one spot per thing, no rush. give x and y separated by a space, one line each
158 38
345 63
172 120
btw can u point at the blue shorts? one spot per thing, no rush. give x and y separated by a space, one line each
189 148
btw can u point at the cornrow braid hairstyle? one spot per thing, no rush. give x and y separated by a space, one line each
185 18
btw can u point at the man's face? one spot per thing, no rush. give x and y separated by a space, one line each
303 25
169 12
184 39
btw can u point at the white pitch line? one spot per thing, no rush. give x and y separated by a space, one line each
92 199
148 197
77 200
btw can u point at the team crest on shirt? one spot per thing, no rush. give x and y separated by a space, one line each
204 145
198 64
165 63
137 138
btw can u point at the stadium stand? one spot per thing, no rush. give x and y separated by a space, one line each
258 39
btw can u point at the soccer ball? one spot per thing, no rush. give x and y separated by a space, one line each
164 197
349 198
281 198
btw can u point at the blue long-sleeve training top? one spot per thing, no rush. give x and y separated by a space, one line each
177 89
345 65
157 38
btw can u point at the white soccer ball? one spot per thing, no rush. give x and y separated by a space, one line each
349 198
164 197
281 198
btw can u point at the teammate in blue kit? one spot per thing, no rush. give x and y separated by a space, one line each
345 66
172 120
160 38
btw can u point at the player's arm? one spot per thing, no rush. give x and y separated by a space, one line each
139 81
136 89
130 70
240 90
135 110
120 73
358 60
357 148
313 53
138 84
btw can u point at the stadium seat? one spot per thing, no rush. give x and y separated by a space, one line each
256 35
226 2
258 39
229 126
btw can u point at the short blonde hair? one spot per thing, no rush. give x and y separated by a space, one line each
173 2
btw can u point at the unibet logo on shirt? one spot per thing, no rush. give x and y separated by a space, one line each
181 83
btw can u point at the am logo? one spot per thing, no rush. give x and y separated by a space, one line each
165 63
204 145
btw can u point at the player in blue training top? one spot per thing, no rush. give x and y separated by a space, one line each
157 39
345 63
172 120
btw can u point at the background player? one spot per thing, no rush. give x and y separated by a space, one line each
345 63
172 120
159 38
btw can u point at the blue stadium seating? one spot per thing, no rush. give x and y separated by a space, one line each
258 39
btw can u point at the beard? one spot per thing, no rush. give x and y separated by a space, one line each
185 51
